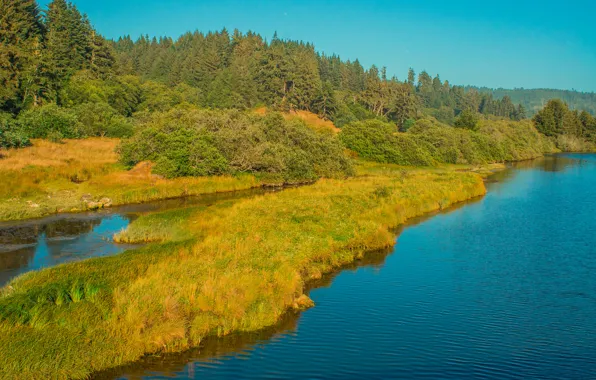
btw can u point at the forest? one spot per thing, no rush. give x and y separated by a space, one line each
60 79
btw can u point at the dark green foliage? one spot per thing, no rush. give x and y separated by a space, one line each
50 121
20 42
11 136
193 142
556 119
467 120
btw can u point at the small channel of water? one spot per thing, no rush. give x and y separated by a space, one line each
40 243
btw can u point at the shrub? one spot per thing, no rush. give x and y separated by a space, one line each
429 142
379 141
11 136
192 142
467 120
50 119
100 119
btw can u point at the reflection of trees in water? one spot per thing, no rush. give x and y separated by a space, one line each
28 233
16 259
552 163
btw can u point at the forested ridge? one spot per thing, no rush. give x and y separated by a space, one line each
534 100
59 78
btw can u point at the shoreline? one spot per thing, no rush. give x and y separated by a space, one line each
242 275
236 341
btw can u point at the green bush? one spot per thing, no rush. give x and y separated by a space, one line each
50 119
100 119
429 142
192 142
467 120
379 141
11 136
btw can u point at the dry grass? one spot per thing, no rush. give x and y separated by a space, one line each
91 152
241 267
50 177
312 120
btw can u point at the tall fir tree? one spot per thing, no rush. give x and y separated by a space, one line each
21 33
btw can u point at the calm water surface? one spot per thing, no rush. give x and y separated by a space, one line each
501 288
45 242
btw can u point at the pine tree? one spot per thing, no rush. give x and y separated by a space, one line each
68 43
20 46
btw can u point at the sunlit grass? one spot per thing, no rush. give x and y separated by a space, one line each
236 267
53 177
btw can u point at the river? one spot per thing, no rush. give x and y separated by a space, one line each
57 239
501 288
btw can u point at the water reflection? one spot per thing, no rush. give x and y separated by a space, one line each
45 242
36 245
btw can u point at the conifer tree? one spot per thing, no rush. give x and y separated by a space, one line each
21 31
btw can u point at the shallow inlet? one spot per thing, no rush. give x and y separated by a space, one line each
40 243
501 288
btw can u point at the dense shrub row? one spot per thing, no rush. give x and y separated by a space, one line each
192 142
429 142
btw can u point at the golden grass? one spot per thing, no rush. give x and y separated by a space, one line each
50 177
91 151
312 120
240 267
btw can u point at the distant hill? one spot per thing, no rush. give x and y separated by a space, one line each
535 99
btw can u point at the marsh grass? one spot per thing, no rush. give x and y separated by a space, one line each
238 267
53 177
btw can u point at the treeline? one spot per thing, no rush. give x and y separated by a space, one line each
60 79
41 53
572 130
244 70
534 100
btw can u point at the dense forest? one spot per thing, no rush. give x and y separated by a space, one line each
534 100
59 79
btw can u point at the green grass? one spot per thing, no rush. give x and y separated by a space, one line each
237 267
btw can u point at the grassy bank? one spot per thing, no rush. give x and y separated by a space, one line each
58 177
235 267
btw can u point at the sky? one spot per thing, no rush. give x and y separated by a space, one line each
506 43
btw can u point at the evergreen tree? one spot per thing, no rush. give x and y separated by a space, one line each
20 48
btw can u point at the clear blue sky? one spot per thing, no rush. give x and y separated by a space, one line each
502 43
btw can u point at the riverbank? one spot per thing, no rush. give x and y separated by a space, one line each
75 175
238 267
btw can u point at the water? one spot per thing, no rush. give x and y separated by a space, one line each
45 242
501 288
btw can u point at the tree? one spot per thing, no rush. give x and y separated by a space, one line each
411 77
325 103
549 121
467 120
20 44
69 43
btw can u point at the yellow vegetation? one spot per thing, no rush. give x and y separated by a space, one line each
312 120
87 152
53 177
237 267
